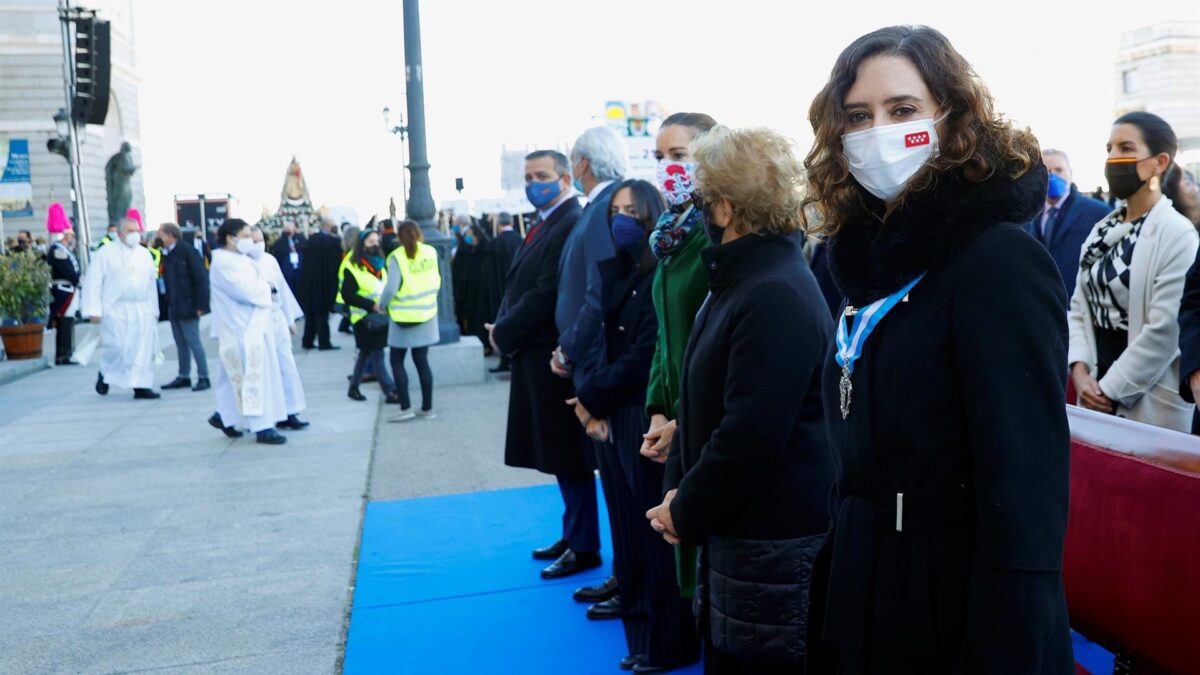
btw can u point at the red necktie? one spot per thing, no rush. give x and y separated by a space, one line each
529 237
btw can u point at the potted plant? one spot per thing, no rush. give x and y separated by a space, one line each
24 303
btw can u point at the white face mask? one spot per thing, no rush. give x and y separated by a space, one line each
259 247
883 159
245 245
132 239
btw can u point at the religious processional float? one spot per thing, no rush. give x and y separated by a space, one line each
295 206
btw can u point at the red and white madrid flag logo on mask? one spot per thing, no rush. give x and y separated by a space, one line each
914 140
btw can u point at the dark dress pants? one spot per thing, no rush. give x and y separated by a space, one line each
316 328
64 337
658 621
581 515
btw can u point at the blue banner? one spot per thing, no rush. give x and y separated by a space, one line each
16 185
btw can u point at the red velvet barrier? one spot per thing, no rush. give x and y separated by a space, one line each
1132 559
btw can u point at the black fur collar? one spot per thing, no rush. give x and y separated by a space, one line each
869 259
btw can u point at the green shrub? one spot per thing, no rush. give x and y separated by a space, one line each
24 288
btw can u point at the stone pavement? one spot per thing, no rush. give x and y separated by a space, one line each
136 538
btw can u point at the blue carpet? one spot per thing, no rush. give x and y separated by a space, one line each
446 585
1094 658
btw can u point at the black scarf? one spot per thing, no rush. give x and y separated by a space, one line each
869 259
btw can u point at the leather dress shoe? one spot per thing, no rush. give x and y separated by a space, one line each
552 552
646 668
270 437
146 393
355 394
570 563
502 368
292 422
101 385
609 609
178 383
217 423
630 661
327 348
598 593
66 362
202 384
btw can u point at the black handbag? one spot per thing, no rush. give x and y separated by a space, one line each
376 321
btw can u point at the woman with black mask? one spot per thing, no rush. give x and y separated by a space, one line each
1124 351
611 405
945 391
362 288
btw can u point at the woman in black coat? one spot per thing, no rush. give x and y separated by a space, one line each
949 428
659 630
362 284
748 474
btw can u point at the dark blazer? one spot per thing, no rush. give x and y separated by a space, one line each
282 250
630 332
958 403
1072 225
320 259
578 314
820 270
63 267
1189 337
749 458
186 280
543 432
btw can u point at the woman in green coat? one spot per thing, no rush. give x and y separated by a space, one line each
680 286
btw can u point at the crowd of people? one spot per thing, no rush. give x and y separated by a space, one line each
827 399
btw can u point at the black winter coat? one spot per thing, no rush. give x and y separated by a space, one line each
630 334
959 405
186 280
749 458
364 338
320 259
1189 337
543 432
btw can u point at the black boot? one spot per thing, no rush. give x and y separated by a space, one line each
101 385
355 394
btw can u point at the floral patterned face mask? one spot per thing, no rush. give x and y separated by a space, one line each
677 180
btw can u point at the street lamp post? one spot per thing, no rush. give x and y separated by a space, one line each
401 131
420 206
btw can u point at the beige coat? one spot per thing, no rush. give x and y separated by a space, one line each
1144 381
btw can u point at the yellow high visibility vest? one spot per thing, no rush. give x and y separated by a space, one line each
369 286
416 301
342 275
157 255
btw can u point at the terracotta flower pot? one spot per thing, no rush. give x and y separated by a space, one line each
23 342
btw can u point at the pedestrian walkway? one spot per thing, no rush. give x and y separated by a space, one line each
134 537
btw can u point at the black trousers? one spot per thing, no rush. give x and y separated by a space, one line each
64 337
658 622
581 515
424 374
374 359
316 327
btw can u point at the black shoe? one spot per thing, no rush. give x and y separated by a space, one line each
178 383
202 384
101 385
270 437
146 393
327 348
392 399
644 668
598 593
66 362
216 422
571 563
306 346
630 661
609 609
502 368
551 552
292 422
355 394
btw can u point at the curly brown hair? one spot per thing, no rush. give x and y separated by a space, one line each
972 136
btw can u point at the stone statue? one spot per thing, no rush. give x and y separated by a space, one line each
117 175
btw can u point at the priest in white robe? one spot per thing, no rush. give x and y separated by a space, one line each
285 313
120 293
249 385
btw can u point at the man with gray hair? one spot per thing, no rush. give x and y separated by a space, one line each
186 281
1066 219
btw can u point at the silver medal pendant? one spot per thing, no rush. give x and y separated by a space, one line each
846 389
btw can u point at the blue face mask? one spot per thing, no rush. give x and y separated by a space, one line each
578 186
1057 187
541 194
376 261
627 232
469 240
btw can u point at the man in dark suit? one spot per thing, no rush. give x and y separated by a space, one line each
186 283
1189 342
497 260
543 432
1067 218
320 258
287 253
64 284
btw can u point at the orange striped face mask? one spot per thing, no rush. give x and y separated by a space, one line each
1122 175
